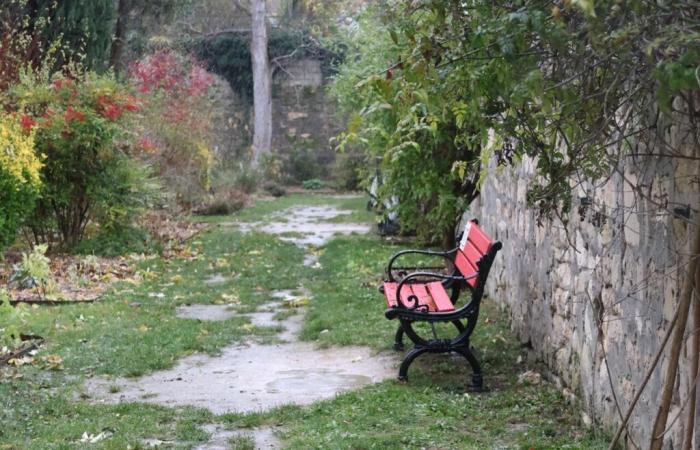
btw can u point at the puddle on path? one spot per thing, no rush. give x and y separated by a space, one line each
206 312
263 438
216 279
306 226
254 376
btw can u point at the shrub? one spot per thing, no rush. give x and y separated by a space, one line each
347 168
115 242
19 175
34 272
175 126
10 321
88 172
272 167
303 164
247 179
274 189
313 184
224 202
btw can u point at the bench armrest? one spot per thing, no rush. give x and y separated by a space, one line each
439 276
449 255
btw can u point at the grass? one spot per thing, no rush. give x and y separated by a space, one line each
134 330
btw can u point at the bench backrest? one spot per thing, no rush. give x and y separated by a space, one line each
473 247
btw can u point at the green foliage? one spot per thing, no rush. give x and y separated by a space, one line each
34 271
59 33
448 90
112 242
302 163
84 28
347 169
11 320
313 184
88 173
19 176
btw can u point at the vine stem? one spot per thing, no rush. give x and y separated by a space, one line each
657 433
647 377
694 360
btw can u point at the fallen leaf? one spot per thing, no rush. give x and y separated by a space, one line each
529 378
21 361
296 302
95 438
52 362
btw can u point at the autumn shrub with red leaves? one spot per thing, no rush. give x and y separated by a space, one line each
175 127
90 175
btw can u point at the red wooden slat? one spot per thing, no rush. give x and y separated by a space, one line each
463 264
472 254
480 239
390 294
420 291
465 267
440 298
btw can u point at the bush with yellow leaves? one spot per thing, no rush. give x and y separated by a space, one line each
19 174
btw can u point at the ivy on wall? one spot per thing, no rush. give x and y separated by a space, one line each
228 54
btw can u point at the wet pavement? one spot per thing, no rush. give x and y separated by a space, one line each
255 376
306 226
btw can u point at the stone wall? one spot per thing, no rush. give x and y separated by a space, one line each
601 287
304 119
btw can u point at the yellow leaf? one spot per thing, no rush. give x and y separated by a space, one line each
297 302
53 362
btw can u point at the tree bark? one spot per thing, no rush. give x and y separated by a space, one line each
117 51
262 83
657 434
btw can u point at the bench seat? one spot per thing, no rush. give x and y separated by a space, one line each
432 297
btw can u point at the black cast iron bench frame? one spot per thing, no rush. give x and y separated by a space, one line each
464 318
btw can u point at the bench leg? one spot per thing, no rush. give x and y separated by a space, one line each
398 339
413 354
477 383
459 325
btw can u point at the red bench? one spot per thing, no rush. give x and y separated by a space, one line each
424 294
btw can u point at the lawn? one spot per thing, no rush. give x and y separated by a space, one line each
134 330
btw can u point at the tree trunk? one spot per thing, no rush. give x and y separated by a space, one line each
262 82
117 51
